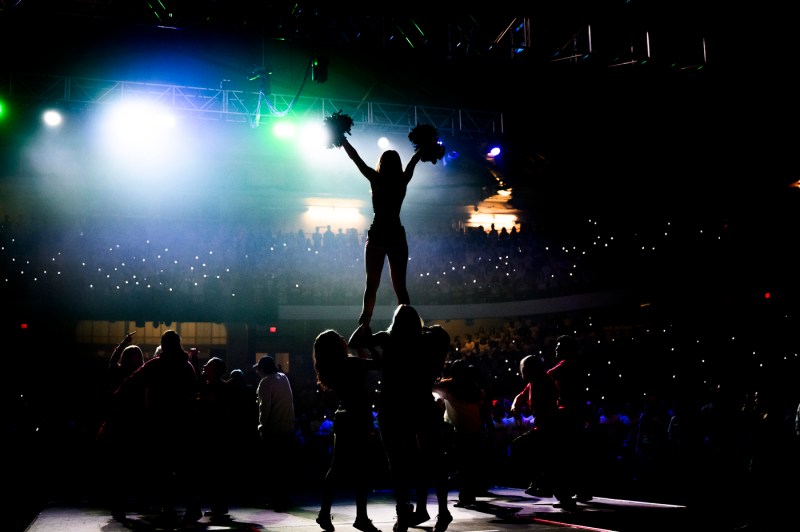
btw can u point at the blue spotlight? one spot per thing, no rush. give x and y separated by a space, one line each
450 156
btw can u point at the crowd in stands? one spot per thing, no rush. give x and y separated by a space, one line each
654 378
102 265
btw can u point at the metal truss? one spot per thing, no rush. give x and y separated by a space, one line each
243 106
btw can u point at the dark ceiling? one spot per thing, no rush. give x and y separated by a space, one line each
678 101
552 59
463 32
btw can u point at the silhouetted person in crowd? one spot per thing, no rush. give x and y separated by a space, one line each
169 383
316 238
773 461
125 359
570 479
243 433
346 376
121 433
194 360
436 341
328 238
276 420
652 445
215 408
386 237
404 410
724 430
463 398
532 451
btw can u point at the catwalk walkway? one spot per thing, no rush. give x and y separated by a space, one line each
499 509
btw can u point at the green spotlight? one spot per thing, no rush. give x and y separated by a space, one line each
284 129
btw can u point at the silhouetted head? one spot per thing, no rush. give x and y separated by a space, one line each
171 344
236 376
390 163
439 341
406 322
440 338
330 350
266 365
215 368
459 368
566 347
131 359
530 366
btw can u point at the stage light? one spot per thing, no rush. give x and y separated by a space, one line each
312 137
383 143
141 120
319 69
140 138
52 118
284 129
450 156
336 214
494 152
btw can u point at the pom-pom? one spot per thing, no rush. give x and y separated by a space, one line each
425 138
432 153
338 124
423 135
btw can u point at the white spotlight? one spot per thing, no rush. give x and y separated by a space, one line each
52 118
